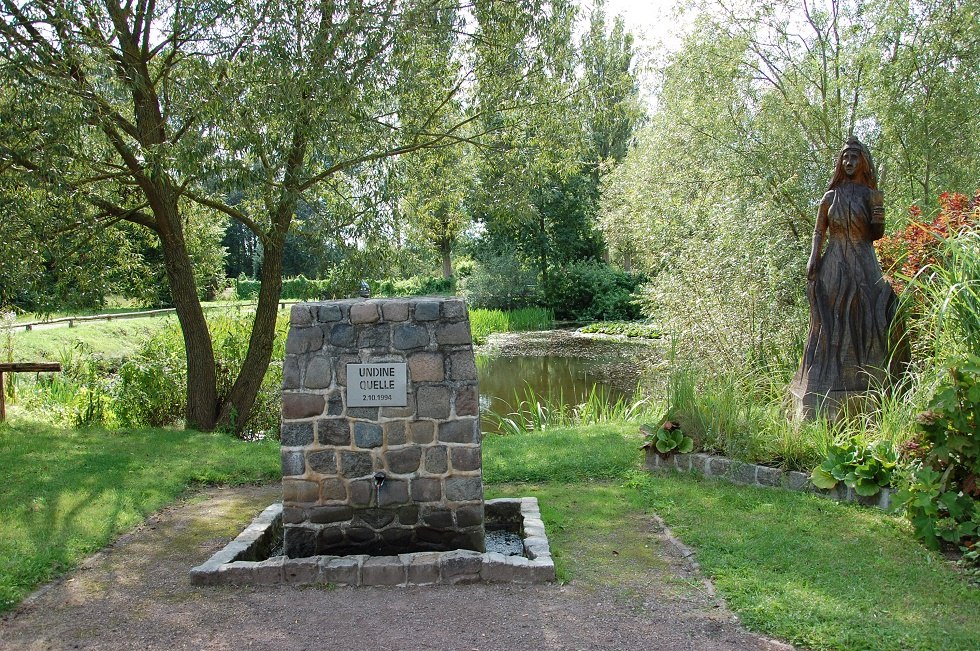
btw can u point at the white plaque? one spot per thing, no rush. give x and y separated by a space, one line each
373 385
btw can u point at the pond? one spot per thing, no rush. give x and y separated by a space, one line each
560 367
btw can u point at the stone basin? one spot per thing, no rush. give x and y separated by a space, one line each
246 560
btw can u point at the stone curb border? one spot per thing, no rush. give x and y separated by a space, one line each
237 564
739 472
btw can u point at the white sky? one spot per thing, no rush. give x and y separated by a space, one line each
651 21
658 30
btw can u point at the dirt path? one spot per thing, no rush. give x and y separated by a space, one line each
136 595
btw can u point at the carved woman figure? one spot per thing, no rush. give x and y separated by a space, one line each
851 304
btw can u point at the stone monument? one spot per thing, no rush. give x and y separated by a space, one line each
852 307
380 440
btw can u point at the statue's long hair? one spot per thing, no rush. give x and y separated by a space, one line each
865 174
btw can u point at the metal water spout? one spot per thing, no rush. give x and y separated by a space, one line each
379 479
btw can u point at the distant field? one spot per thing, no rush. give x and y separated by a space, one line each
113 339
107 339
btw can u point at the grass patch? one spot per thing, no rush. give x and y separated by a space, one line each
810 571
109 339
814 572
66 493
597 537
565 454
485 322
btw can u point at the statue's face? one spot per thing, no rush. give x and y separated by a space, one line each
850 160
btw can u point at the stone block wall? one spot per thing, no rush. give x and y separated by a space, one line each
750 474
431 498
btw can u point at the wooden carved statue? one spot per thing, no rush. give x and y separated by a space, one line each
851 305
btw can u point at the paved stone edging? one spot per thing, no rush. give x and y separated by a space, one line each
237 563
739 472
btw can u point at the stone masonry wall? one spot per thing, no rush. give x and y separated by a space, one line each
429 451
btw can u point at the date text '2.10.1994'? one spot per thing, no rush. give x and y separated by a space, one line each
373 385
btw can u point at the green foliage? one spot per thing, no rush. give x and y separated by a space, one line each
484 322
415 286
942 497
667 439
561 454
945 296
79 396
537 191
500 282
738 416
866 469
592 291
307 289
532 412
632 329
67 493
151 384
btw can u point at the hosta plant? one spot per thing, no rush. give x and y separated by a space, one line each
667 439
866 469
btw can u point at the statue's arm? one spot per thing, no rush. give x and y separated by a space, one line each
819 231
877 222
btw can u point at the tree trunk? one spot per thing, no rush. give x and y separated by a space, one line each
447 262
202 393
237 406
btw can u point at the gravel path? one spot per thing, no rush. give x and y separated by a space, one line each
136 595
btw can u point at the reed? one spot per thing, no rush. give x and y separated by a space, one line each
948 297
485 322
530 411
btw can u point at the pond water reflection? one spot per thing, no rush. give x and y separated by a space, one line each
559 380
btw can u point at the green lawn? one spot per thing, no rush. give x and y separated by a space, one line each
810 571
66 493
109 339
815 573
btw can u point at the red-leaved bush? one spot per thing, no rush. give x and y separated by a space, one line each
916 246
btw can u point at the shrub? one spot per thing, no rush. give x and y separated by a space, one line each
501 283
590 291
415 286
919 243
152 382
941 499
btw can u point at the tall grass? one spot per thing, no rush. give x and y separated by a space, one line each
485 322
747 417
533 412
947 295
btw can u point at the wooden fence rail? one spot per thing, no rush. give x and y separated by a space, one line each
71 320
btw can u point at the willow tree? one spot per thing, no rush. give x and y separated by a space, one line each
144 108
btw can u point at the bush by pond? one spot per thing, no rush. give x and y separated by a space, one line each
586 291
